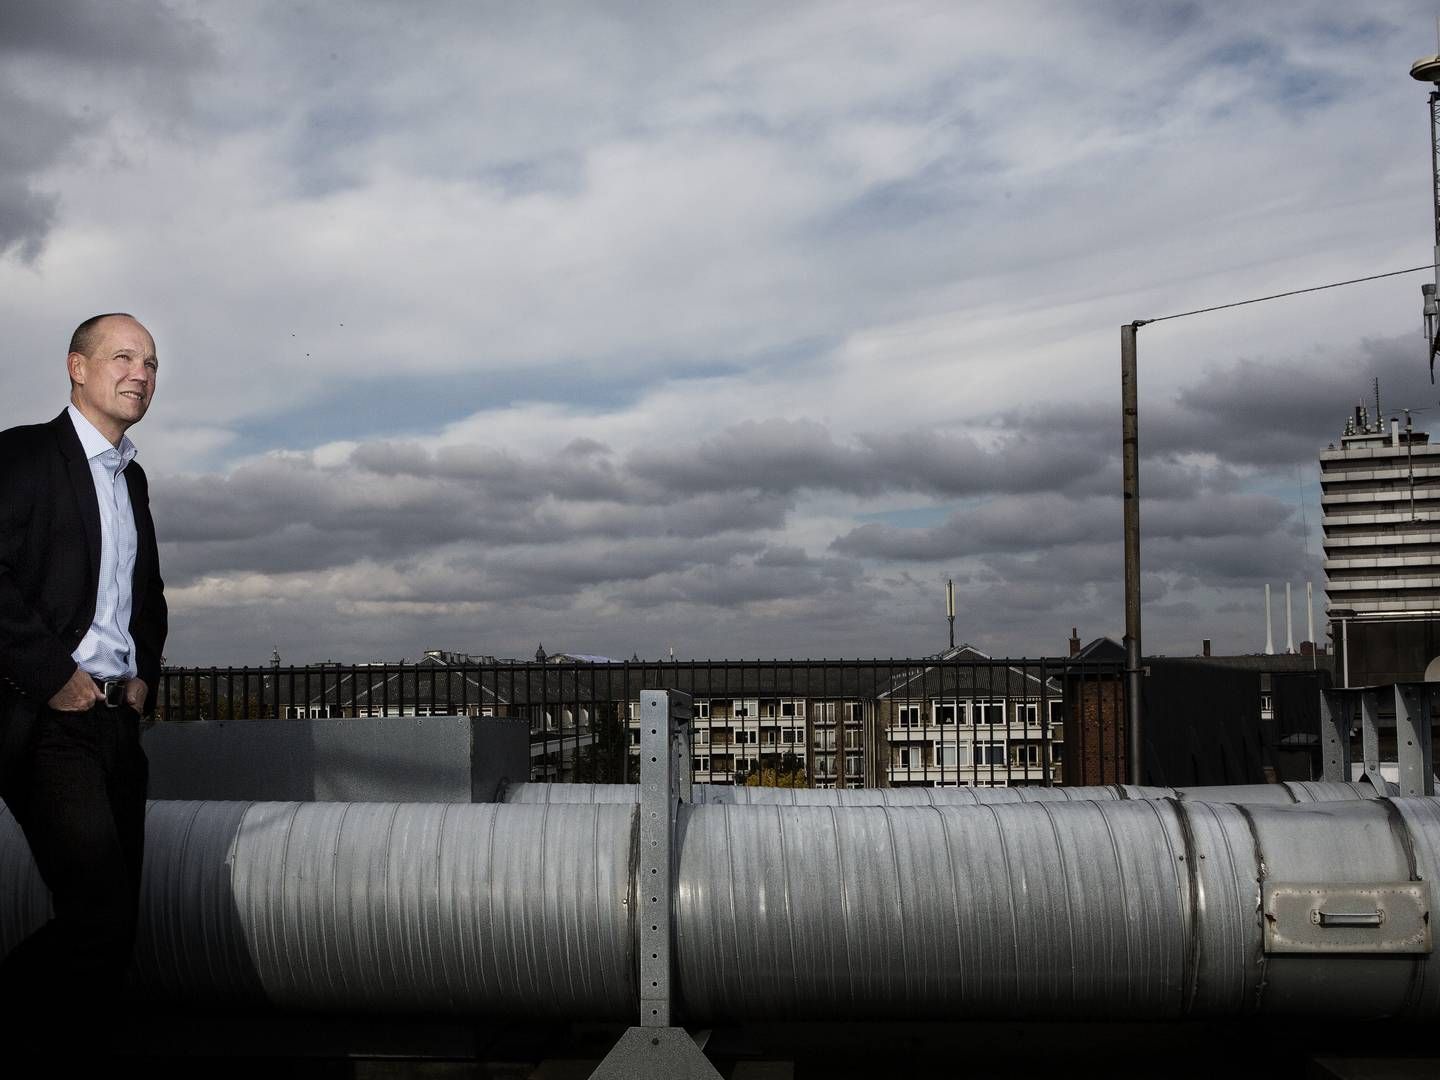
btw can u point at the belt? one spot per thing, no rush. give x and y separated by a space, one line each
113 689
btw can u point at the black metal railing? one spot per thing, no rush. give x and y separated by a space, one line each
802 723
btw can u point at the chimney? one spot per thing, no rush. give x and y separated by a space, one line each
1394 433
1205 646
1269 632
1289 625
1074 641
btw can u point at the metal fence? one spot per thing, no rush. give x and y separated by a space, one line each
936 722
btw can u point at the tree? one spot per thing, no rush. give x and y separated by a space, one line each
789 773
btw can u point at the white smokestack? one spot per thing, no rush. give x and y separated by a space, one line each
1310 616
1289 626
1269 635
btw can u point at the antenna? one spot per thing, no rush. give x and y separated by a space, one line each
1379 416
950 607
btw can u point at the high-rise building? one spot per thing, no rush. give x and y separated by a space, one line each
1380 501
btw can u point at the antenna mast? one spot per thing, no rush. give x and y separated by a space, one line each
950 608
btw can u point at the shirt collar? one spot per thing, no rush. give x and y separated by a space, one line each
96 445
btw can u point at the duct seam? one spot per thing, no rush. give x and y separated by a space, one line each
1261 873
1191 857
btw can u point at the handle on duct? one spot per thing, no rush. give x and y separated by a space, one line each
1347 919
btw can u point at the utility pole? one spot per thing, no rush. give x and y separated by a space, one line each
1427 70
1130 466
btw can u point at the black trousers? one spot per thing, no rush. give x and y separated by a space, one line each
78 794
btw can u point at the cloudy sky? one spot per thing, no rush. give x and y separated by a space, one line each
730 328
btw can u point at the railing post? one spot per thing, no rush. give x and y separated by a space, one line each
1412 739
1335 735
655 1048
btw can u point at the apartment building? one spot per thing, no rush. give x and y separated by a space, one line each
964 719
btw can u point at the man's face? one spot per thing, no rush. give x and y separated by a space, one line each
114 384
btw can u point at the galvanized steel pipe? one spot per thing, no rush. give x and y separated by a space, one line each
1106 908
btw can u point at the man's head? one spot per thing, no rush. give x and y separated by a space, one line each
112 370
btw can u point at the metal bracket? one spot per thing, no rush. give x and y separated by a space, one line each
659 1052
1335 735
655 1049
1319 918
664 782
1412 739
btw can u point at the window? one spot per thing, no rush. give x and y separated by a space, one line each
1057 711
853 767
702 710
635 737
990 712
1055 752
944 712
854 712
790 735
700 764
1031 712
853 740
701 737
1025 754
792 708
909 715
990 753
902 757
632 710
946 754
739 708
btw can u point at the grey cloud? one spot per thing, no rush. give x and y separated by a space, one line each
789 456
103 55
138 32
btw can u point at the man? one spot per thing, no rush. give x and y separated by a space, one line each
82 623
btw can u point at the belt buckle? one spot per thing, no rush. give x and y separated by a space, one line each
115 692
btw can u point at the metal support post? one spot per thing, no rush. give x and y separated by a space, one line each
1412 739
1370 733
1130 454
655 1048
1335 735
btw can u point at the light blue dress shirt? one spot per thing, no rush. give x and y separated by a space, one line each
107 651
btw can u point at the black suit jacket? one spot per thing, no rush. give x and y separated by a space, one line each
50 570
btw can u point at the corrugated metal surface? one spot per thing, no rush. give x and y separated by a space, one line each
954 796
520 910
1003 910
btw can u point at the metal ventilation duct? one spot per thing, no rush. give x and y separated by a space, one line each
1120 908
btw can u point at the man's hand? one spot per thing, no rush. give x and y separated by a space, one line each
77 695
135 693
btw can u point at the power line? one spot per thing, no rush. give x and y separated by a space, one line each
1278 296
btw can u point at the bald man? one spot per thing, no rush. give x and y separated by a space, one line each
82 625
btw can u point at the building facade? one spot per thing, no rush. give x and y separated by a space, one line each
1380 505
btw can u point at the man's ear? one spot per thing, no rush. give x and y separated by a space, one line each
75 365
